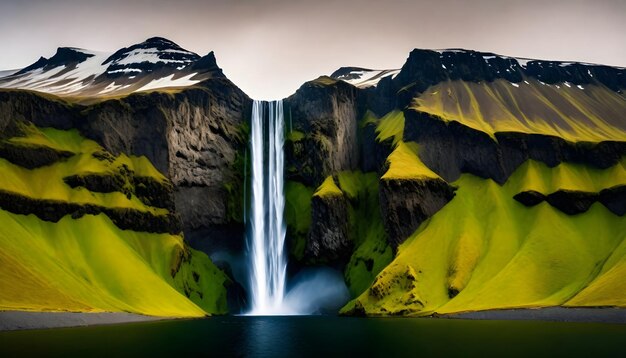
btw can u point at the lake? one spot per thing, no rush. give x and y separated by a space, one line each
323 336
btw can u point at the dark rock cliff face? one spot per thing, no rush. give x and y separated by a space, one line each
328 115
42 110
450 148
405 204
328 241
194 136
374 153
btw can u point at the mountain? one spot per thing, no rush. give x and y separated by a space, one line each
154 63
463 181
466 181
362 77
124 182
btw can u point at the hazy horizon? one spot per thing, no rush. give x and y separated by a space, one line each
269 48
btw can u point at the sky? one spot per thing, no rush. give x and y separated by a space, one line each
269 48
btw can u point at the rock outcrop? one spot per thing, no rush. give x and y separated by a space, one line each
405 204
614 199
328 239
124 218
326 112
31 156
573 202
530 197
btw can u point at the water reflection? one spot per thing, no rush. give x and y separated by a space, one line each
267 336
323 336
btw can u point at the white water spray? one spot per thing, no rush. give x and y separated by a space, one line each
313 291
266 240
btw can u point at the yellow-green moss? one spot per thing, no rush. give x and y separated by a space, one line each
324 81
328 188
404 163
371 251
62 140
568 112
496 253
298 215
89 264
295 136
391 126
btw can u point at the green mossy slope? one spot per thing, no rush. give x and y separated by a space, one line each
484 250
575 113
371 251
298 215
88 264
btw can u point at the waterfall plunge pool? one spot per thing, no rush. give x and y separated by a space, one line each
325 336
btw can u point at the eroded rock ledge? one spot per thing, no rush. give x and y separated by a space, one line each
451 148
31 156
406 203
328 239
573 202
124 218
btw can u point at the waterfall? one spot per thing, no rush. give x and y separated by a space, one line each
266 234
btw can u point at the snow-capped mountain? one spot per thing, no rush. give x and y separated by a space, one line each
362 77
154 63
433 66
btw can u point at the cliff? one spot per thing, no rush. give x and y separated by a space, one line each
463 181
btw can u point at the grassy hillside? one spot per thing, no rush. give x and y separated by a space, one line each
484 250
574 113
88 263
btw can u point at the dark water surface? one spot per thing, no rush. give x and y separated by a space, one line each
323 336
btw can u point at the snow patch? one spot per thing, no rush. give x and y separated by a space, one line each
113 87
141 55
124 70
169 81
367 78
7 73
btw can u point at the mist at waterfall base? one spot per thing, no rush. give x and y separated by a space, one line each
309 291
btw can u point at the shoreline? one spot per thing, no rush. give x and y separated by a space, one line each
611 315
31 320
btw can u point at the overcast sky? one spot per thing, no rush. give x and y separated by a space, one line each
269 48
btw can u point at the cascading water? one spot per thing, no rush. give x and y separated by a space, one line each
266 241
312 290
